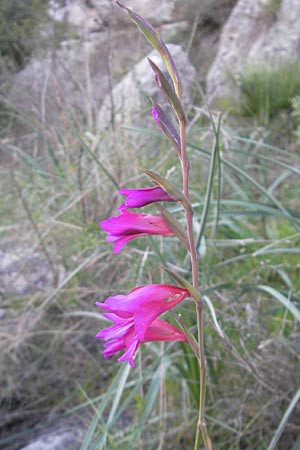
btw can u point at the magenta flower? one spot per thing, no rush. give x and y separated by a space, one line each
127 226
135 319
135 198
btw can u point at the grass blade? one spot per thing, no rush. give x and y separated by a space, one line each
284 420
207 202
282 299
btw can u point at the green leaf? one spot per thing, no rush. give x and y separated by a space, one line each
195 294
282 299
174 225
215 156
168 187
284 420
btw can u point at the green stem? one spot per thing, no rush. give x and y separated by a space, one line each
188 209
201 425
213 161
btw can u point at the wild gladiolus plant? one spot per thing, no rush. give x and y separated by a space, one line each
134 316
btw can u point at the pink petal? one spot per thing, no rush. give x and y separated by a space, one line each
156 297
135 198
116 331
159 330
128 223
130 352
112 347
121 241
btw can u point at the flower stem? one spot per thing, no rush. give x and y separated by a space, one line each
201 424
188 209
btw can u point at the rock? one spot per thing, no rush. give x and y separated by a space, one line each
76 75
23 271
62 438
256 32
160 12
155 11
86 17
131 95
70 78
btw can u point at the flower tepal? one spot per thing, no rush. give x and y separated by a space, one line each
135 198
127 226
134 318
121 336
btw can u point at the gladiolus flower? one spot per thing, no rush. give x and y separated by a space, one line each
135 198
135 319
128 226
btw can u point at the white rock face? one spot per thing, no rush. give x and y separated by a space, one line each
131 95
23 272
77 73
64 76
254 33
85 17
63 438
156 11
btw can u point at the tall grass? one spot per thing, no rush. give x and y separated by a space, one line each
58 180
250 282
264 90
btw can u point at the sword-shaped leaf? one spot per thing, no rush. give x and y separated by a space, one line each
174 225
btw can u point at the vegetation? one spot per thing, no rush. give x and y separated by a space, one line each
20 30
272 8
57 183
264 90
296 115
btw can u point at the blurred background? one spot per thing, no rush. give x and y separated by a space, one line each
76 127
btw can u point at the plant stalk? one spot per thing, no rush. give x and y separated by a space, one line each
201 424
